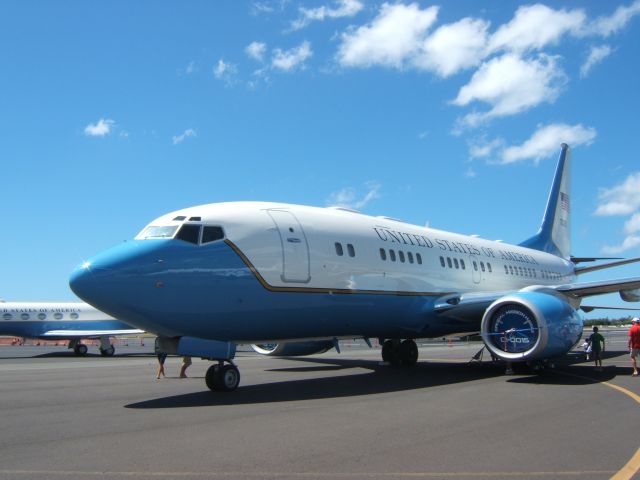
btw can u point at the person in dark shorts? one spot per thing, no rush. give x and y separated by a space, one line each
597 347
161 358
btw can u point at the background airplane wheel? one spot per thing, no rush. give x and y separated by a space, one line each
390 352
108 352
80 350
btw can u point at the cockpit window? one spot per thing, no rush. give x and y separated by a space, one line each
179 218
189 233
211 234
158 232
195 219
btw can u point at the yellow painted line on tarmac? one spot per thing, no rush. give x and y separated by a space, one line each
633 465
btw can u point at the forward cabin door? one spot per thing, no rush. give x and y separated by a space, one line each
295 249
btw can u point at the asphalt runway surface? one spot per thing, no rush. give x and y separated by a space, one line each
329 416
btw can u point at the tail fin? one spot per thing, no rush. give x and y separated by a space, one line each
554 235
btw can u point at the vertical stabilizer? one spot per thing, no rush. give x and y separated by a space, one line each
554 235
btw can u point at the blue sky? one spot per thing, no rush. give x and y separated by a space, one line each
113 113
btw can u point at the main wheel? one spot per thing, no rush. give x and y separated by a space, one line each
408 353
390 352
80 349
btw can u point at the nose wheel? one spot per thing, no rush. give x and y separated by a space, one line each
222 377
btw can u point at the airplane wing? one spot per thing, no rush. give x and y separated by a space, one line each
470 307
89 333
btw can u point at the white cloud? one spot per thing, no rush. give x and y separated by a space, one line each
481 148
189 132
290 59
630 242
347 197
225 71
395 35
596 55
633 224
534 27
191 68
607 25
454 47
623 199
511 84
546 141
256 50
99 129
344 8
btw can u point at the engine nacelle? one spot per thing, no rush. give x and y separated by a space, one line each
293 349
630 295
530 326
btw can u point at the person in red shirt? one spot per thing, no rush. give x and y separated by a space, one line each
634 344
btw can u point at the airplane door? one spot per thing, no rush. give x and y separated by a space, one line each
474 265
295 249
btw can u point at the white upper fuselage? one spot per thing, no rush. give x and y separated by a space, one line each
50 312
309 248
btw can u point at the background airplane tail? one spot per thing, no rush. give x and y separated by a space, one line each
554 235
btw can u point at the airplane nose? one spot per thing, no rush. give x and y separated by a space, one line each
104 280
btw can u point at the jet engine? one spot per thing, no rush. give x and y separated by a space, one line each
530 326
293 349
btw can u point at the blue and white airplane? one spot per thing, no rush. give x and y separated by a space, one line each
294 279
62 321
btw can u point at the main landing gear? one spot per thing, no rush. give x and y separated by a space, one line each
79 349
396 352
222 378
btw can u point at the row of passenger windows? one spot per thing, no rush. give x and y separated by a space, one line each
459 263
350 250
520 271
40 316
401 256
194 233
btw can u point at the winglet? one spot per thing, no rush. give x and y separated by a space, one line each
554 235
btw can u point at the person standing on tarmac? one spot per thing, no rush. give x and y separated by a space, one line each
597 347
634 344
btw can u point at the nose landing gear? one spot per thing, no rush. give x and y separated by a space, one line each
222 378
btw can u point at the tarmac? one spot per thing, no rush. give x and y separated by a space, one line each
329 416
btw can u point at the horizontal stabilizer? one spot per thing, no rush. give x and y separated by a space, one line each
577 260
581 270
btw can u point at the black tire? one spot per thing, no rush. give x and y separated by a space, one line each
408 353
390 353
210 376
80 349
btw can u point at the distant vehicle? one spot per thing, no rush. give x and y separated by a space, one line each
62 321
294 279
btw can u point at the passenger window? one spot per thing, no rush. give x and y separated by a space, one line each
401 255
410 257
442 261
339 250
506 270
489 267
392 254
510 269
455 263
462 264
74 316
419 258
7 317
475 266
189 233
42 316
383 254
351 250
449 263
57 316
211 234
482 266
520 270
24 316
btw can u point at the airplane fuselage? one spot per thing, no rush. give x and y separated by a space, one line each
252 271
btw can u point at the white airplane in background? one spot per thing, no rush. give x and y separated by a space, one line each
62 321
294 279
